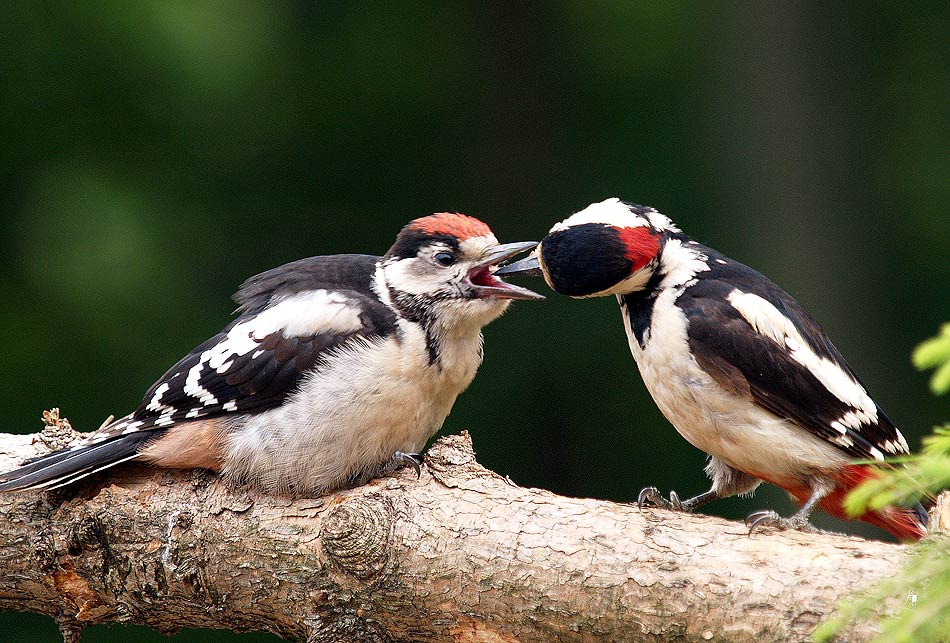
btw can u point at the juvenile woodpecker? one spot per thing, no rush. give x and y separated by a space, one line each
336 370
733 362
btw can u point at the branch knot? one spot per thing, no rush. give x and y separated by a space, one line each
358 535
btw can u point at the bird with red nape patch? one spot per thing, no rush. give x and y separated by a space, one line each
337 369
735 364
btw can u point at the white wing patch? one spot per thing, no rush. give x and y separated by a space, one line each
767 320
155 404
164 410
853 420
307 313
193 385
897 446
843 440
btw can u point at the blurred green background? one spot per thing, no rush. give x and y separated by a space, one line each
157 153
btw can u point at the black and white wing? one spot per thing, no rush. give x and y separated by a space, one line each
291 318
756 340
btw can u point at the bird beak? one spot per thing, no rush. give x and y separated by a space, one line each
484 282
528 266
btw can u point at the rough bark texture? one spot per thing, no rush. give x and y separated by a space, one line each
461 554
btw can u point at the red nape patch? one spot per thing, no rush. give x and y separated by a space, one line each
460 226
640 245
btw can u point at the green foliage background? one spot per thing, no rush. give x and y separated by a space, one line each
156 153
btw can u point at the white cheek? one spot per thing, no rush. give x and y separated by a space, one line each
468 315
414 277
634 283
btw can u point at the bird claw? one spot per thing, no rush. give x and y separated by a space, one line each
652 495
414 460
768 518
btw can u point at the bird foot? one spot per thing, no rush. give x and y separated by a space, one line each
400 459
652 496
768 518
397 460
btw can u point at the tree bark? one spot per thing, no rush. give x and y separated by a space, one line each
460 554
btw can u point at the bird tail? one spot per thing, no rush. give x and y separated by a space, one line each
904 523
65 466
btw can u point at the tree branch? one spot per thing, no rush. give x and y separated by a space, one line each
461 554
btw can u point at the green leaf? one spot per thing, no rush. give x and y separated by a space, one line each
940 382
935 353
939 443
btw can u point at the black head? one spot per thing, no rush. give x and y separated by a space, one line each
611 247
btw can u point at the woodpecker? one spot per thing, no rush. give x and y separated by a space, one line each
733 361
336 370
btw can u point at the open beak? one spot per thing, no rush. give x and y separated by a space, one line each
488 286
528 266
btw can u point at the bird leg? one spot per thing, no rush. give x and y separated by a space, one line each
652 496
798 521
726 481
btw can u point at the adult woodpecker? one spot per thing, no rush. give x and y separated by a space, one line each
733 362
336 370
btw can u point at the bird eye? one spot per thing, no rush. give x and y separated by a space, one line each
444 258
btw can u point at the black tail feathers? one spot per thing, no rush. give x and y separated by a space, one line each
63 467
